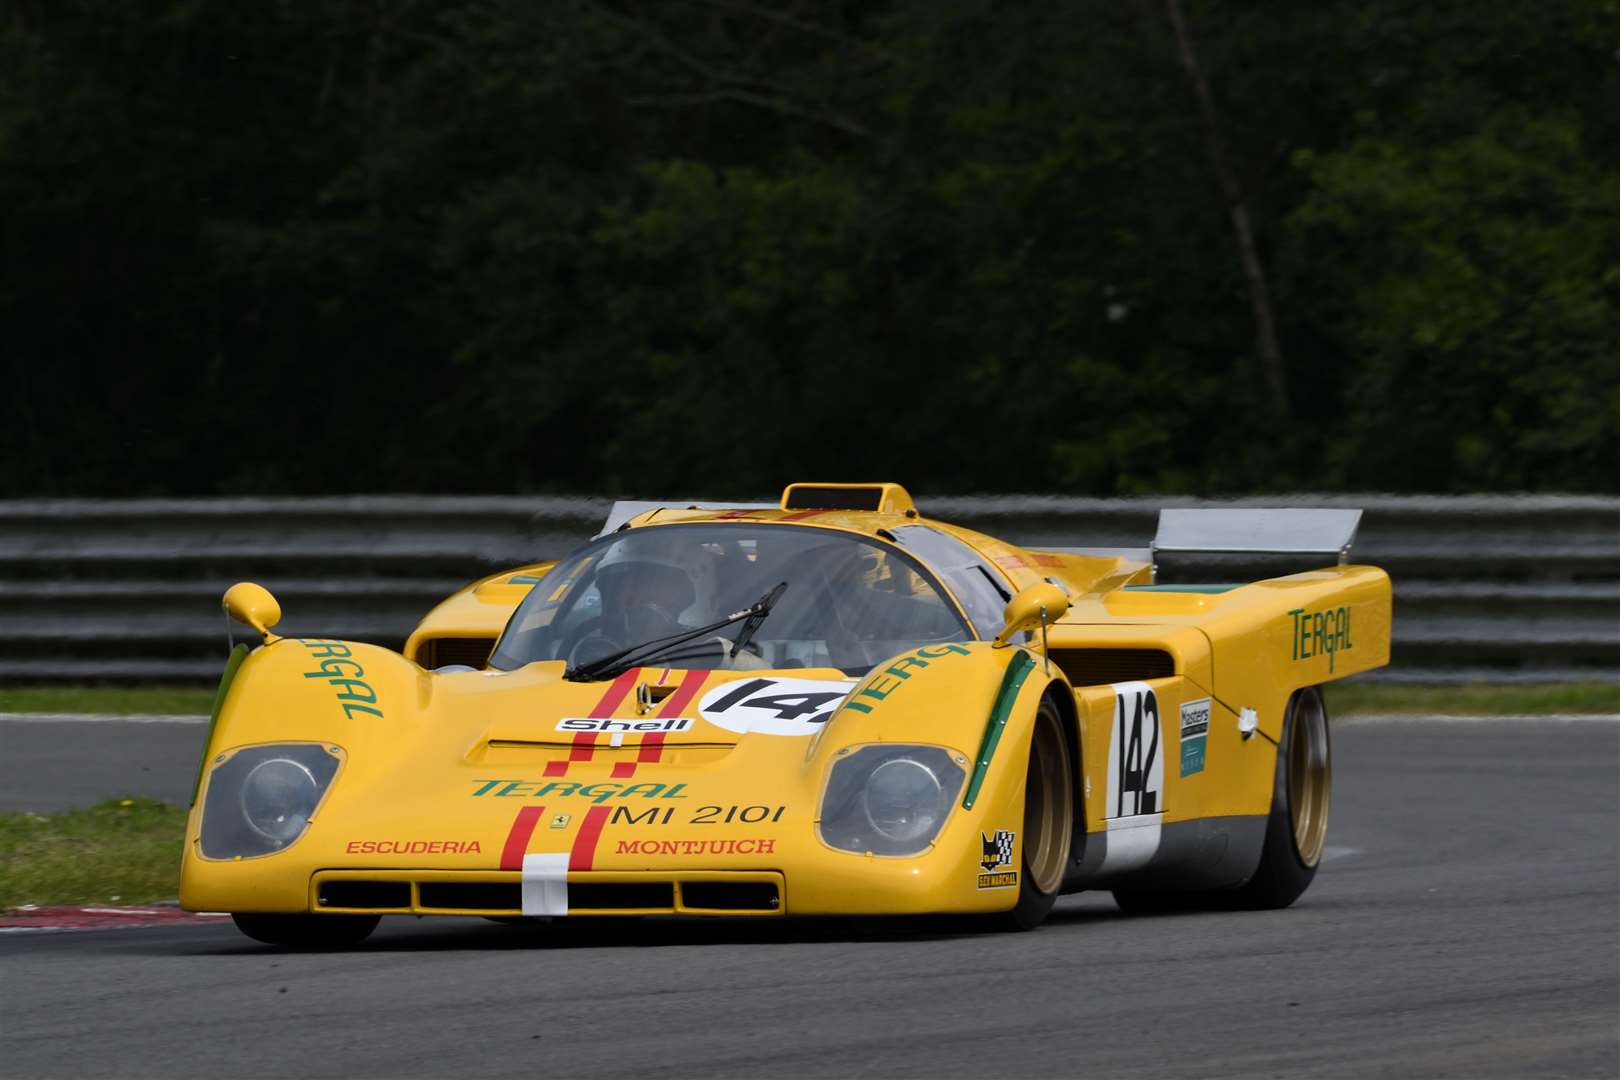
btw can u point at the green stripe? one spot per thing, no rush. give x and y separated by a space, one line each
1182 588
522 579
232 662
1018 670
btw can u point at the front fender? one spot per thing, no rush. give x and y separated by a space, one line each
979 703
311 690
361 698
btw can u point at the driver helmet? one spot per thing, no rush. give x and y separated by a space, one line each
644 579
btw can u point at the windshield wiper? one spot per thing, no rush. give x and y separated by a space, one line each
614 663
751 625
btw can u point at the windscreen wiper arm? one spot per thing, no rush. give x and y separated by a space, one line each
756 618
614 663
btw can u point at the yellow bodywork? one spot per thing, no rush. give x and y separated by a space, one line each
452 786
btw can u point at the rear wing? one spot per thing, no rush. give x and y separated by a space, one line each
1258 532
1210 539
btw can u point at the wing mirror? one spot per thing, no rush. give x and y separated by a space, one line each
1035 606
252 604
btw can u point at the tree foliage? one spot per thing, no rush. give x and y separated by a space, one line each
713 245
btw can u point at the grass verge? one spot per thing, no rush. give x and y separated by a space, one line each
118 700
123 851
1472 699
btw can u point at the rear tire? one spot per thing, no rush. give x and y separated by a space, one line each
307 931
1048 822
1296 828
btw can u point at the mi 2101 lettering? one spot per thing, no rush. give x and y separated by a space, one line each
355 695
1318 632
701 815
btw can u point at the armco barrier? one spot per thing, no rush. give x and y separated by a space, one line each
1507 587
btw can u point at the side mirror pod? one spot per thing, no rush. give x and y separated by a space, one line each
1035 606
252 604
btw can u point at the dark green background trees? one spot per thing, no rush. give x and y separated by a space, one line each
713 245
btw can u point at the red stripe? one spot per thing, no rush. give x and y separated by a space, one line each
615 694
585 741
584 746
683 695
652 747
623 769
517 841
800 515
590 831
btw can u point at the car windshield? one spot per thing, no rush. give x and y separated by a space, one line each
849 603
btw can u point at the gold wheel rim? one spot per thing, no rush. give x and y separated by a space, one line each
1310 778
1048 799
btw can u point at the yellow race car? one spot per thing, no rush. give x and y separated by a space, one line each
830 706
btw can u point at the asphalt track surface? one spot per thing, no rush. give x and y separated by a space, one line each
1466 924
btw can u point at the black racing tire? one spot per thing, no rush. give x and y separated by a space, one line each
1048 822
307 931
1296 827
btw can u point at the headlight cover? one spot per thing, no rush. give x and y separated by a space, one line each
889 799
261 798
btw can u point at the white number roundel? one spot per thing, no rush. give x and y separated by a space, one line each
770 706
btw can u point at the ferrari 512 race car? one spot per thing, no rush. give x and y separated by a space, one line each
834 706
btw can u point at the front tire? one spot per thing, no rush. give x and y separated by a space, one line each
1048 822
307 931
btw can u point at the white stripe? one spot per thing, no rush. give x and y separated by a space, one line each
1448 718
97 718
545 884
1132 842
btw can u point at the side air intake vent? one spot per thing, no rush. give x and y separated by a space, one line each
441 652
1094 667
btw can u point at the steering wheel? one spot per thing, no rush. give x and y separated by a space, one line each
591 645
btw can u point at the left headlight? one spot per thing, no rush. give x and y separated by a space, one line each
262 798
889 800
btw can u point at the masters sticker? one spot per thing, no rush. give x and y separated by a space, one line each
1194 735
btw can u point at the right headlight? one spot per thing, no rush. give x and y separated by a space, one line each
261 798
889 799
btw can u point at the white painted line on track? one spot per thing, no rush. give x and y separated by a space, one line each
1355 719
1333 851
98 718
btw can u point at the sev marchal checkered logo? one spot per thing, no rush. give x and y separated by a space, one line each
998 849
